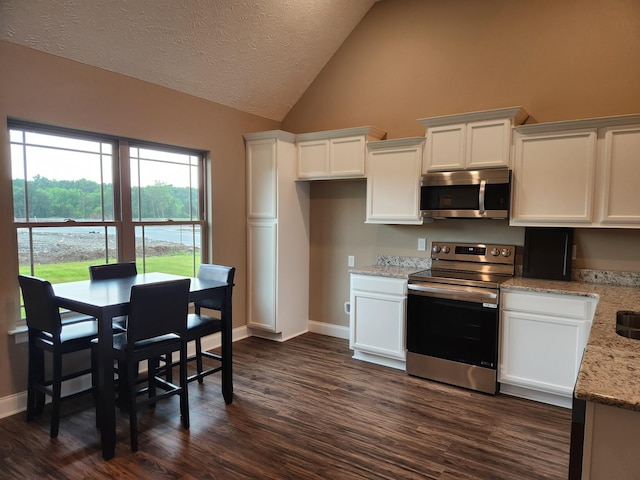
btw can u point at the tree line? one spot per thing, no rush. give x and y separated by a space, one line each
83 200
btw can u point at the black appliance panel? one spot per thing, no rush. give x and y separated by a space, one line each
464 197
547 253
455 330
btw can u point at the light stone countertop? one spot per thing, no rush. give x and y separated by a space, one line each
610 369
393 271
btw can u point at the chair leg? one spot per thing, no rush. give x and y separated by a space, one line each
56 387
184 394
94 384
35 375
130 378
199 359
168 370
153 365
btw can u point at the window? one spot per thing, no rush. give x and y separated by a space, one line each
83 199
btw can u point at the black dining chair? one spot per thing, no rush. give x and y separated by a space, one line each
113 270
47 333
110 271
200 325
156 327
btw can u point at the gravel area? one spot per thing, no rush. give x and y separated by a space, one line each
55 247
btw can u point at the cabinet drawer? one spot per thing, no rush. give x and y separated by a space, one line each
549 304
373 283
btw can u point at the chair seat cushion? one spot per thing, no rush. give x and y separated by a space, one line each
120 324
120 342
200 325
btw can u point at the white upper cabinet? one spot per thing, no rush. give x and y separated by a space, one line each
334 154
582 173
620 179
553 177
470 140
393 181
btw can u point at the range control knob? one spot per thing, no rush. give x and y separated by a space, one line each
435 249
495 252
506 252
445 249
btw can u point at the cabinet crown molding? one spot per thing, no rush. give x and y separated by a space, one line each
343 132
517 114
271 134
396 142
565 125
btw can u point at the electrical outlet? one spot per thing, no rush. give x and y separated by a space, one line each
351 261
422 244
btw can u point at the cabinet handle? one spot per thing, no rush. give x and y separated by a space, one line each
483 185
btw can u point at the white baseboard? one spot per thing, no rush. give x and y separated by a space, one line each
329 329
17 403
536 395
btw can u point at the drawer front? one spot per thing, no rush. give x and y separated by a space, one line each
373 283
549 304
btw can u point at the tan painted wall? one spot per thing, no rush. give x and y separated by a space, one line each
410 59
44 88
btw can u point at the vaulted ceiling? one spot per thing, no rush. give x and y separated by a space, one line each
258 56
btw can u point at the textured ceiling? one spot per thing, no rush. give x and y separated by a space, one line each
257 56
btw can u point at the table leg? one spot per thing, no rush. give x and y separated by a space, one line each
227 349
106 403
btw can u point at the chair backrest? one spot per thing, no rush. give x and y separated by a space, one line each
42 312
157 309
113 270
220 273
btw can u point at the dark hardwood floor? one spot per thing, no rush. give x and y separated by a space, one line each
304 409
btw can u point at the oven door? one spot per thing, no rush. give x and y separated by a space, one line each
452 328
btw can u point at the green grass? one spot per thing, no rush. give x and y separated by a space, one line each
72 271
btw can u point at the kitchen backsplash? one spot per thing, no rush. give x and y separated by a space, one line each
610 277
397 261
628 279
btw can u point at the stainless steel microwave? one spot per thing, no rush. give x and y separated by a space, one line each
466 194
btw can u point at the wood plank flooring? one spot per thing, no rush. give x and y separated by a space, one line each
304 409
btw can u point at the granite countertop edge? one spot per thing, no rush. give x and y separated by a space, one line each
610 369
393 271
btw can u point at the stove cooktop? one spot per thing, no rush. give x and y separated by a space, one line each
469 264
475 279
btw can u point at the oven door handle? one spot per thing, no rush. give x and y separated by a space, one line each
453 292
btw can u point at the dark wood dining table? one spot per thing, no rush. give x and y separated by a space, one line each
106 299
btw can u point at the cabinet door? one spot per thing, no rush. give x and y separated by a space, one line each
541 352
393 185
261 179
446 147
621 176
378 324
553 178
262 275
488 144
313 159
346 158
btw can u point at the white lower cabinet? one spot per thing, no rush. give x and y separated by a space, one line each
377 319
543 337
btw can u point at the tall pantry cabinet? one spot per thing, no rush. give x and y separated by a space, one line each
277 237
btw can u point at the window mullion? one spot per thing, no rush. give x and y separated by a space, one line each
127 234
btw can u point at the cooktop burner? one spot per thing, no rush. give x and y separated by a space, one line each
482 265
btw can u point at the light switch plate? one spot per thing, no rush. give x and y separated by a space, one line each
422 244
351 261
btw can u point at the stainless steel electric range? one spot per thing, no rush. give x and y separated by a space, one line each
453 315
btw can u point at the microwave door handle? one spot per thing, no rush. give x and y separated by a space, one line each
483 186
